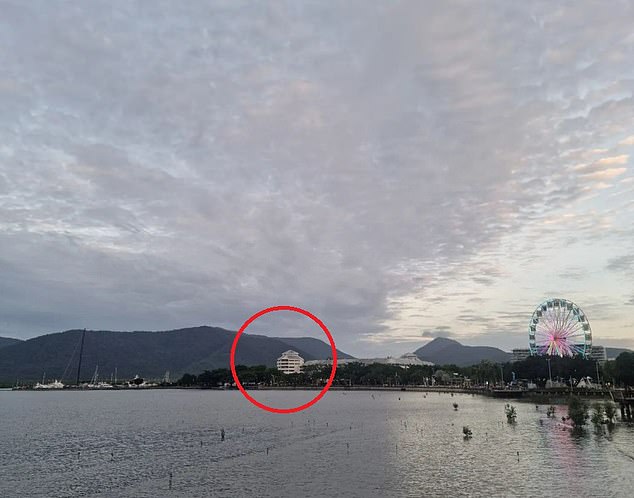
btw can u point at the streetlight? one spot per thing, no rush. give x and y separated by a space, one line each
550 375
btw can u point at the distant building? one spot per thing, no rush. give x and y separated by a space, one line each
520 354
290 362
407 360
598 353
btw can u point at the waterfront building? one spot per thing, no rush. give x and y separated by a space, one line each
520 354
290 362
598 353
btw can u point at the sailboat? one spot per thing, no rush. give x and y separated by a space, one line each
94 382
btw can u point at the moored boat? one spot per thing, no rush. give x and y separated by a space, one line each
56 384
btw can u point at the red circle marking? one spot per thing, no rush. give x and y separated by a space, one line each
332 371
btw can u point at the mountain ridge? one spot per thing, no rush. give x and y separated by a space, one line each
188 350
8 341
149 354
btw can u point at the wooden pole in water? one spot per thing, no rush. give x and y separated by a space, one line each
81 352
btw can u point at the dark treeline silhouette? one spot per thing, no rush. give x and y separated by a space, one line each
221 376
619 372
535 368
148 354
352 374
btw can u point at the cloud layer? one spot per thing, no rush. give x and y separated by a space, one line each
396 168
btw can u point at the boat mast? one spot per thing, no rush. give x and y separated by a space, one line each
81 352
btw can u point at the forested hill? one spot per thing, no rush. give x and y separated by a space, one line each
443 351
148 354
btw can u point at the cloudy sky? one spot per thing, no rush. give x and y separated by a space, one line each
401 169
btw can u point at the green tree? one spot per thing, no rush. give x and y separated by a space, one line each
624 364
609 372
187 380
577 411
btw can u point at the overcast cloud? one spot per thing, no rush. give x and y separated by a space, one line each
401 169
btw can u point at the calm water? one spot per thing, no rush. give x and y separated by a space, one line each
125 443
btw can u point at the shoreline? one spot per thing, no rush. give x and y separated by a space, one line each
536 395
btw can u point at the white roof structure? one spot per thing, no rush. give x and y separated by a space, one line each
407 360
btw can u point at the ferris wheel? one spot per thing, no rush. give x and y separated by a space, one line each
559 327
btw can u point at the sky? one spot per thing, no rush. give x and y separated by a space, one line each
403 170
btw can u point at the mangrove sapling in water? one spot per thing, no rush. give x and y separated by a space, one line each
610 412
597 414
577 412
511 413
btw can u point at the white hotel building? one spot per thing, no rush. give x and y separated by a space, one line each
290 362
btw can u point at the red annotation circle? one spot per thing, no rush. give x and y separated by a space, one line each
332 372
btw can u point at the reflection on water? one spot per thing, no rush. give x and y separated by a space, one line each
126 444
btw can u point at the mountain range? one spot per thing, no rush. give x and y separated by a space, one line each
148 354
443 351
189 350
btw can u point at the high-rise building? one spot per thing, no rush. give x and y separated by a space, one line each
598 353
520 354
290 362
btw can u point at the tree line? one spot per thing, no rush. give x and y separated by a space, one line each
619 372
